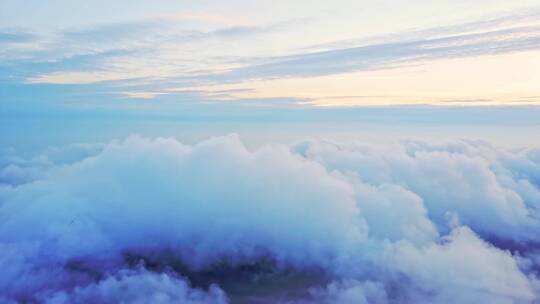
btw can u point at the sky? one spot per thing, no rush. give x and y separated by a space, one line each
342 151
237 60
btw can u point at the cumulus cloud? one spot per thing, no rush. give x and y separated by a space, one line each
461 262
475 183
155 220
139 287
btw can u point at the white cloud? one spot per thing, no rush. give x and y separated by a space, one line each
463 269
344 222
460 180
139 287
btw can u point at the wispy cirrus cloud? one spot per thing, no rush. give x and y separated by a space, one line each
151 49
168 54
161 39
392 54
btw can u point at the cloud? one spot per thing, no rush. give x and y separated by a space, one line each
391 54
351 292
518 19
462 261
451 180
139 286
119 51
156 220
394 204
164 53
14 36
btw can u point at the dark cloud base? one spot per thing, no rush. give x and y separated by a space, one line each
156 221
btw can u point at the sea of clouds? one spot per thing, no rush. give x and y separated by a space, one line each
155 221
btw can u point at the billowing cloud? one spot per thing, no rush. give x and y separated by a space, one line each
138 286
155 220
471 183
461 262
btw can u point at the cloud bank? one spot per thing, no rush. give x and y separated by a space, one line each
153 220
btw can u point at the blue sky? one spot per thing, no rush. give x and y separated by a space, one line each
231 61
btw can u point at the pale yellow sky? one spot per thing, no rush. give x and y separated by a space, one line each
481 80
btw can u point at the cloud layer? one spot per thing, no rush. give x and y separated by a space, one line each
155 220
167 56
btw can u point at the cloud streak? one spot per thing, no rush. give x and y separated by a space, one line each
115 45
392 55
163 55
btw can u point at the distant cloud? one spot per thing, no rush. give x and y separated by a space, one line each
391 54
169 53
15 36
147 38
518 19
142 95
